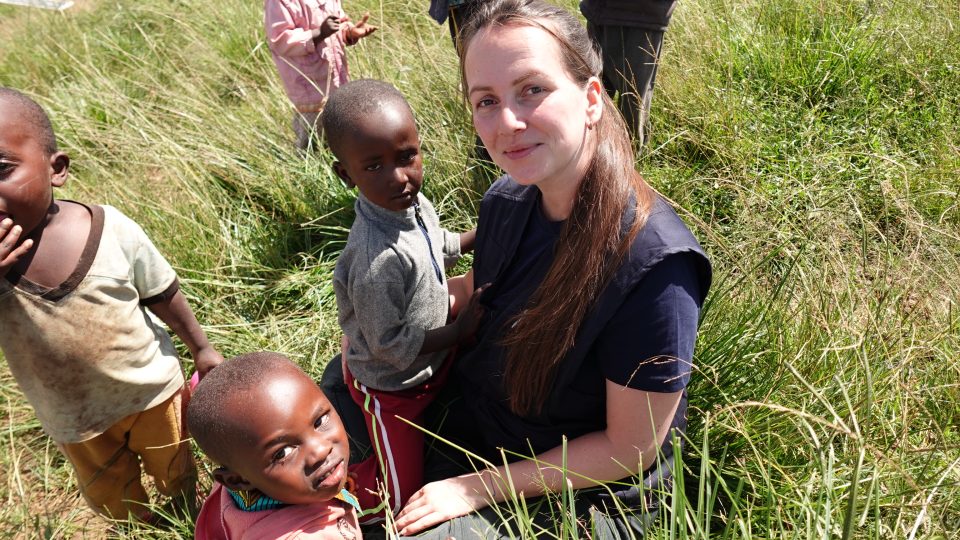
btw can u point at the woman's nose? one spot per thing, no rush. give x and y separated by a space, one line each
511 119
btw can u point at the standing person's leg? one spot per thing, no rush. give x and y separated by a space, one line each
308 129
159 436
630 59
108 473
458 16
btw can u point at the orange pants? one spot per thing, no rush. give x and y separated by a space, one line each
108 465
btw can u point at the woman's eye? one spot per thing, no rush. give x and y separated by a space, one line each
371 168
532 90
485 102
282 454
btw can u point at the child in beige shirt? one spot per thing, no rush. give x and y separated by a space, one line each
75 283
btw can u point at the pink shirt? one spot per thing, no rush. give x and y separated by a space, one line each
220 519
309 72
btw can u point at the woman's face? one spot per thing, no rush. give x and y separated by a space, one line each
532 117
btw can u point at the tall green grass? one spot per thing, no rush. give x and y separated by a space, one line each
812 146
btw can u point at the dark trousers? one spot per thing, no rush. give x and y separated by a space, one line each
458 16
630 59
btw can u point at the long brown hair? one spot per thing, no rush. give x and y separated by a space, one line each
592 242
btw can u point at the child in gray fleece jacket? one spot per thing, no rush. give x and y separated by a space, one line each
391 289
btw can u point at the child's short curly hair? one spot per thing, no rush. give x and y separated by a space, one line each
33 115
353 100
209 417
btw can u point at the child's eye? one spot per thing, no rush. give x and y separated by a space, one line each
5 168
375 167
282 454
409 157
322 421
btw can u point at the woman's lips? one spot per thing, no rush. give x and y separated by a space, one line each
519 152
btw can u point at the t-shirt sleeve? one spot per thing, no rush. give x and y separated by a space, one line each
151 275
284 37
648 344
451 248
379 300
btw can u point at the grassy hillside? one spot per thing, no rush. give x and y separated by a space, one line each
812 146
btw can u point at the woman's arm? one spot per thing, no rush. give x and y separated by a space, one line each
460 289
637 425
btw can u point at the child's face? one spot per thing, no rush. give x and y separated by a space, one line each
383 159
293 446
27 173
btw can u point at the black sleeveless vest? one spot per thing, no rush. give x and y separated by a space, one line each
504 212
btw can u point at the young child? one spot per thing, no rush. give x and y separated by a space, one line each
282 449
75 281
307 39
391 290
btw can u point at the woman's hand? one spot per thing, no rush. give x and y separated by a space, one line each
10 252
441 501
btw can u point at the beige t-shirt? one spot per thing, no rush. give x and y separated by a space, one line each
86 353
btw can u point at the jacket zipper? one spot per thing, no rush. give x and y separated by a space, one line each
423 229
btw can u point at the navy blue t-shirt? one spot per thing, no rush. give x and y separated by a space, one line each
646 345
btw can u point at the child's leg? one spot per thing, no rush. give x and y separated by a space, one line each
158 436
398 445
108 473
307 127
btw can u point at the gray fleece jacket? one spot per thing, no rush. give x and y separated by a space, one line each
389 293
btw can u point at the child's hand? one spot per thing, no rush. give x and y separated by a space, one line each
344 347
329 26
206 359
360 30
10 252
469 318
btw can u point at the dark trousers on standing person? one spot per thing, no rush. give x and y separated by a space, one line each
458 14
395 470
630 58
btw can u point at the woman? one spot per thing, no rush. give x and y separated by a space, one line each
595 292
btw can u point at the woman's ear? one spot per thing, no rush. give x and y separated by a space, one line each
231 480
594 101
59 166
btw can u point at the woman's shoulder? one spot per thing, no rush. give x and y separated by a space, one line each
506 187
664 229
664 234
